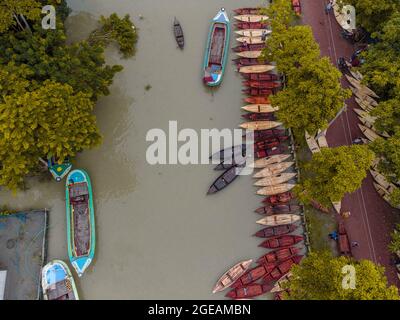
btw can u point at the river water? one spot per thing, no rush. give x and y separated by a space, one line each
158 235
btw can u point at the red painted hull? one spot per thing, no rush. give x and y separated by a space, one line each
271 152
257 100
281 269
275 231
260 76
249 291
268 84
241 11
261 140
252 25
253 275
259 116
257 92
283 197
271 133
249 62
278 255
277 209
249 47
281 241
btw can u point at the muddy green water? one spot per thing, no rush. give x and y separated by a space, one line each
158 235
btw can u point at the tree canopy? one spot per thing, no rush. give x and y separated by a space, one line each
10 8
320 277
333 172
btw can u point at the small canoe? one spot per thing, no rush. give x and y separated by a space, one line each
229 153
278 208
257 68
250 40
81 237
357 84
362 95
279 219
273 169
259 116
383 193
58 170
275 231
58 282
260 125
257 92
253 275
337 205
275 180
369 123
262 163
224 179
250 291
382 181
282 269
364 105
178 33
260 76
278 285
251 18
262 84
250 54
229 277
368 133
321 139
252 32
281 241
247 11
279 198
217 49
249 47
278 255
264 142
271 152
252 25
260 108
364 114
311 143
264 134
249 61
277 189
257 100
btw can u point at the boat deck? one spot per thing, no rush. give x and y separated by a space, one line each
62 290
217 44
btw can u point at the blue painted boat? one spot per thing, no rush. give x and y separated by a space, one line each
80 220
217 49
58 170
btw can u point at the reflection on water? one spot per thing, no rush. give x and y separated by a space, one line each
159 236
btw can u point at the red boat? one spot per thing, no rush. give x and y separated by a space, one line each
249 61
343 239
277 208
257 100
282 269
270 152
268 84
252 25
249 47
253 275
260 76
281 241
266 146
241 11
279 198
275 231
258 116
278 255
269 139
258 92
296 6
270 133
252 290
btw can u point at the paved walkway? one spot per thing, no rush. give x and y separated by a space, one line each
372 219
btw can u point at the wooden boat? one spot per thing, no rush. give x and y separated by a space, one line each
263 134
364 114
281 241
321 140
260 76
382 181
250 54
229 153
258 92
252 32
178 33
250 291
257 68
279 219
278 255
251 18
337 205
383 193
229 163
277 209
253 275
262 146
252 25
58 282
257 100
312 144
224 180
249 61
273 169
278 285
368 133
262 163
258 116
360 87
277 189
260 108
229 277
262 84
270 152
367 122
282 269
275 180
249 47
247 11
217 49
264 142
251 40
364 97
275 231
80 220
279 198
260 125
58 170
364 105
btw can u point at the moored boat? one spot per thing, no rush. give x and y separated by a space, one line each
251 18
217 49
252 25
178 33
275 231
281 241
365 98
253 32
257 92
58 170
261 68
262 163
364 114
229 277
273 169
81 236
278 285
369 123
259 116
248 61
277 189
382 181
249 47
260 125
257 100
368 133
311 143
263 134
360 87
224 179
282 269
279 219
251 40
278 255
253 275
247 10
275 180
260 76
279 198
267 152
278 208
58 282
260 108
250 291
249 54
262 84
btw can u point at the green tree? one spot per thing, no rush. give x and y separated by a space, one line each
9 9
389 152
394 245
333 172
320 277
281 15
313 96
388 115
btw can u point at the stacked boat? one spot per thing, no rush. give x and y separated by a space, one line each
276 171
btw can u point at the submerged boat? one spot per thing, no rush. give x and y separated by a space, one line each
217 49
250 54
260 108
278 255
253 32
251 18
281 241
224 180
80 220
275 231
273 169
275 180
279 219
178 33
229 277
58 170
58 282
